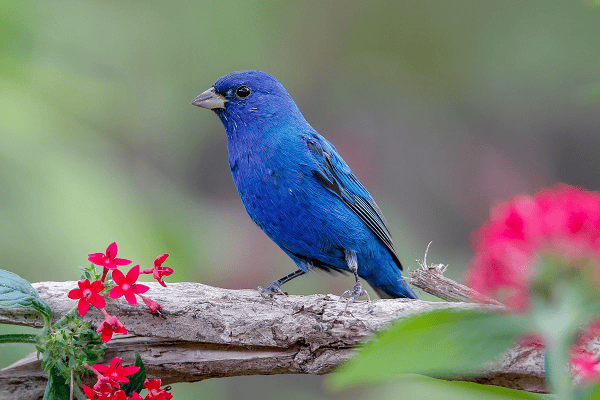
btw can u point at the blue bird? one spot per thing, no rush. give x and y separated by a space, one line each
298 189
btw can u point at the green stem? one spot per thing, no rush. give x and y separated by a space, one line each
64 318
19 338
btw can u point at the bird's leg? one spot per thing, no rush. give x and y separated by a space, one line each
274 288
357 291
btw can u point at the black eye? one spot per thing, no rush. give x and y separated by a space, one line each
243 91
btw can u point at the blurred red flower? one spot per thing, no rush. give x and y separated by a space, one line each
563 221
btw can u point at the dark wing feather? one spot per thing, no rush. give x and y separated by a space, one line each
335 175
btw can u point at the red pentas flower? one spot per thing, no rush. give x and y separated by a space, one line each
136 396
88 294
154 306
116 371
126 285
585 365
104 389
155 392
563 221
158 270
108 260
110 325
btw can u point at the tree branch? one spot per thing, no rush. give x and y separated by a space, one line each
209 332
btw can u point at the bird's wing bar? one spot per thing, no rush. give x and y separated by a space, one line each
335 175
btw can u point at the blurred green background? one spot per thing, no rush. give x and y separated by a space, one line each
442 108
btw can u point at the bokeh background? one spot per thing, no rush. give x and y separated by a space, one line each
442 108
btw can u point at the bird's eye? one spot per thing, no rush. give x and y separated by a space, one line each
243 91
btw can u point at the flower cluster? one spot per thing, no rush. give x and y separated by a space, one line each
560 222
530 242
91 293
110 378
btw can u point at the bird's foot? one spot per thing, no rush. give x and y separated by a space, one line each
271 290
357 292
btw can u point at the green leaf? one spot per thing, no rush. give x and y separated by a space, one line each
57 388
588 392
19 338
136 381
440 343
16 292
418 387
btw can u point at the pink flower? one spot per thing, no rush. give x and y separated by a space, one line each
108 260
563 221
585 365
159 271
126 285
155 392
116 371
88 294
154 306
110 325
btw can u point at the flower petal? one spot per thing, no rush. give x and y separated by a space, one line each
96 258
139 288
133 274
83 307
118 277
97 286
121 261
160 259
98 301
111 250
116 292
131 299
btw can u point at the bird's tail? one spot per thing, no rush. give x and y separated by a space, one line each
396 291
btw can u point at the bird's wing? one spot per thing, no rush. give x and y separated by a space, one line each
334 174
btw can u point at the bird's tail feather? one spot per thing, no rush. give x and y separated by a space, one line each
399 291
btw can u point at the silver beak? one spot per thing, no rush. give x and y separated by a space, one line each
210 99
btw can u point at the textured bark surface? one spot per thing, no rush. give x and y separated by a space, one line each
209 332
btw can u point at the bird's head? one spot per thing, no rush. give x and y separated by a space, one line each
244 98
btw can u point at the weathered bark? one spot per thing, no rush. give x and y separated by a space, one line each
209 332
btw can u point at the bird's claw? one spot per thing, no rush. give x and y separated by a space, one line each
357 292
270 290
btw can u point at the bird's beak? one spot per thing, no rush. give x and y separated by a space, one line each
210 99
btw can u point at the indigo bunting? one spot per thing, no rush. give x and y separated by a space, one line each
298 189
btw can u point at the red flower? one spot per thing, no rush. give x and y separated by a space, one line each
108 260
154 306
104 389
88 294
159 271
110 325
585 365
136 396
120 395
92 394
126 285
155 392
116 371
564 220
